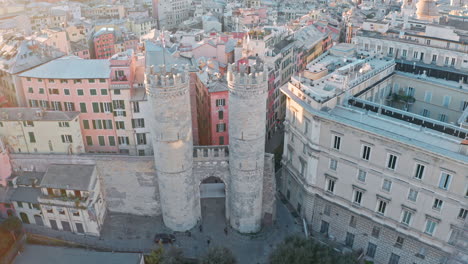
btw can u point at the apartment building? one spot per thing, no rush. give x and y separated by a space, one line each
35 130
71 199
24 197
419 47
74 84
104 43
370 176
171 14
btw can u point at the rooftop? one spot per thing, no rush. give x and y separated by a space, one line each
25 194
57 255
71 67
28 177
35 114
68 176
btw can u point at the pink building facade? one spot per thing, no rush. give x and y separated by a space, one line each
74 84
5 165
104 43
219 117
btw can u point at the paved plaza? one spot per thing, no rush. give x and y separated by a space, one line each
133 233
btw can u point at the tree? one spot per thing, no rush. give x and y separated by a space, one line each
219 255
298 250
173 256
154 257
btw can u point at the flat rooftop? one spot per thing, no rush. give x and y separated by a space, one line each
34 114
68 176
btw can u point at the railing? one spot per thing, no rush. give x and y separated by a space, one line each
63 200
211 153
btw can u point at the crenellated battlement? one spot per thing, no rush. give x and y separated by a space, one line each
167 83
247 79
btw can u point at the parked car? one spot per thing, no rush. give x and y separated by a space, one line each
164 238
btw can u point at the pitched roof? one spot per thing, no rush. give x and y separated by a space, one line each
68 176
71 67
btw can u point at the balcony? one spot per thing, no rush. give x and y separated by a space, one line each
201 153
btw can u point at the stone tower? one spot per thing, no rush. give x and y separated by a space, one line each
247 101
171 128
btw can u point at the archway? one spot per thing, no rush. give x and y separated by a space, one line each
24 218
213 204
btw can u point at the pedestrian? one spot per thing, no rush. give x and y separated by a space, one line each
225 231
208 241
201 228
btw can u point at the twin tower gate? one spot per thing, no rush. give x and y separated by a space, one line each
171 128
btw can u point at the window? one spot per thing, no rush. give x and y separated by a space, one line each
93 91
83 108
303 167
306 126
415 55
221 140
66 91
294 116
91 81
123 140
445 179
32 138
333 164
336 142
327 210
41 90
419 171
76 213
69 106
349 241
101 141
352 221
392 161
106 107
330 185
107 124
357 197
116 91
102 80
413 195
20 204
220 127
437 205
366 151
103 91
406 217
95 107
80 92
443 117
463 105
141 138
462 214
430 226
119 124
362 175
404 53
426 113
387 185
138 123
97 124
324 227
220 115
399 242
111 141
64 124
61 211
427 97
136 107
394 259
446 101
67 139
371 248
220 102
53 91
77 81
63 81
390 51
89 140
30 90
382 206
375 232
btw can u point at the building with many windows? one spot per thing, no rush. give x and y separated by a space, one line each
34 130
364 171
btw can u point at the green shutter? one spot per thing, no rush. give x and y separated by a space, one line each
96 107
83 107
86 124
111 140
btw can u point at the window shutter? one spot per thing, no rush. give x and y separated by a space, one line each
133 123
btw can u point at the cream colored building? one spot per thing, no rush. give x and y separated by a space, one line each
33 130
372 177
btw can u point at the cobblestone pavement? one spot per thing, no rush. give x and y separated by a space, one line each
131 233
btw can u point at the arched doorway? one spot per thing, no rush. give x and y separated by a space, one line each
213 203
24 218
